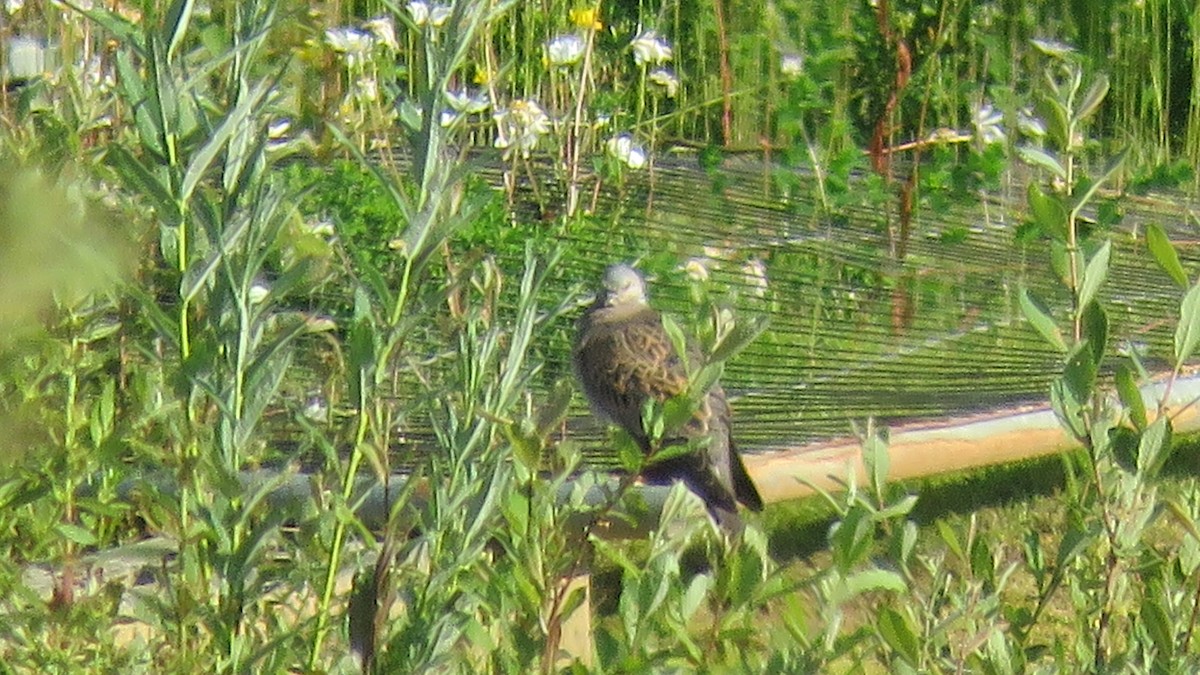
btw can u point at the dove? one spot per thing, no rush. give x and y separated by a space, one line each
623 357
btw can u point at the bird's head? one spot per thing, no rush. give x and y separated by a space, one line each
622 285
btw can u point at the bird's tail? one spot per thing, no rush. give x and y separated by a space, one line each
743 486
695 473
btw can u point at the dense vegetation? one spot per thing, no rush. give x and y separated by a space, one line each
223 220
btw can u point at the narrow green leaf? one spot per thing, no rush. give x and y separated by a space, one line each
1039 317
1048 212
552 414
179 15
1094 274
204 158
1040 158
1131 396
745 331
675 333
898 633
1060 262
1157 621
1164 254
873 580
1067 408
1080 372
1092 99
876 460
1154 448
198 273
983 563
696 591
1095 331
950 537
140 179
1187 333
1073 543
1055 114
75 534
1114 165
704 380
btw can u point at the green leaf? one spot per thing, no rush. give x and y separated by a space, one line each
1082 198
704 380
526 445
1130 395
1067 408
897 631
179 15
1187 333
1039 317
877 460
550 417
1080 372
744 332
675 333
873 580
204 158
696 591
1060 262
1094 326
1073 543
1092 99
75 534
949 537
1048 212
1041 158
1154 448
140 179
1094 274
1164 254
983 564
1156 619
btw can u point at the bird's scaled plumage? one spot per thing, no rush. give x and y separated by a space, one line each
623 357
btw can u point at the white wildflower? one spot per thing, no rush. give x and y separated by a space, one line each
464 101
316 409
627 151
1052 47
697 268
564 50
351 42
986 121
419 11
259 291
521 126
278 128
439 14
651 48
366 89
1029 124
791 65
96 76
665 78
718 252
13 6
755 272
384 30
320 227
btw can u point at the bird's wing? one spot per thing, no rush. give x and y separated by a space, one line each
623 358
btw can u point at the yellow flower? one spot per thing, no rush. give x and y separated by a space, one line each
586 17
